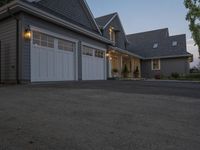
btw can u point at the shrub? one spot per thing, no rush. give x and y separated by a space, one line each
115 70
175 75
157 76
125 71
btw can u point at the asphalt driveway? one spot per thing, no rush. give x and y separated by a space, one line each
100 115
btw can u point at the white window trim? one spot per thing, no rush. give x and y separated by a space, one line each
99 48
159 66
59 36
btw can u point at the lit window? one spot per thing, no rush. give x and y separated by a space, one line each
112 34
174 43
155 64
66 45
155 45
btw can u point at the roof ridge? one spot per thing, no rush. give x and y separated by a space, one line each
148 31
106 15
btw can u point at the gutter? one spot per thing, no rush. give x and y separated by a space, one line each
174 56
126 52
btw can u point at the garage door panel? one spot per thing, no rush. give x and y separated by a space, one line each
93 67
53 63
59 66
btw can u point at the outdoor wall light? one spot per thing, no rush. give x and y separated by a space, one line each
107 55
27 33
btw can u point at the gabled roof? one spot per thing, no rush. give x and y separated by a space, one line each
77 12
154 35
49 15
142 44
104 20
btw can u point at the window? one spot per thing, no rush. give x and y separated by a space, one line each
87 51
174 43
155 64
99 53
112 34
44 40
155 45
66 45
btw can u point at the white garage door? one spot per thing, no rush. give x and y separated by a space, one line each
93 63
52 59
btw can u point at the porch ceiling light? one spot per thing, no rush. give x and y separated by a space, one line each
27 33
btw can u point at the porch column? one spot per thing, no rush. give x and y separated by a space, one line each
121 65
109 67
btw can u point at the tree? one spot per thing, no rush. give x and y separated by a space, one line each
193 16
198 66
3 2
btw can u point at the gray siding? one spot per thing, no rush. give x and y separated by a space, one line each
168 66
8 50
120 35
74 11
39 23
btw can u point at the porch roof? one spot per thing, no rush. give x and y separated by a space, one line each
125 52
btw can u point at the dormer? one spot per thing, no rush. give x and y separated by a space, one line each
112 29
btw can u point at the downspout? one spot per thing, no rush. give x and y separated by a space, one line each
17 44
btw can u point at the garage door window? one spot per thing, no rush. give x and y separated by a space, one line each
99 53
66 45
44 40
87 51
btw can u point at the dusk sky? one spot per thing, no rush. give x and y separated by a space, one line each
143 15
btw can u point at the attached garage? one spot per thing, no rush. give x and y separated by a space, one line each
93 63
53 57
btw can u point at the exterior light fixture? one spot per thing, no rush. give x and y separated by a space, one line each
27 33
107 54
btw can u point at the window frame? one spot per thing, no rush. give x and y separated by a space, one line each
87 52
112 34
43 38
155 45
174 43
62 45
152 64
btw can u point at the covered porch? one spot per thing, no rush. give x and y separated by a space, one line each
123 64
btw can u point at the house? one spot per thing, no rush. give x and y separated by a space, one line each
145 54
48 40
119 56
162 54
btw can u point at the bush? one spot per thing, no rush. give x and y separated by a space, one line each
157 76
193 76
175 75
115 70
